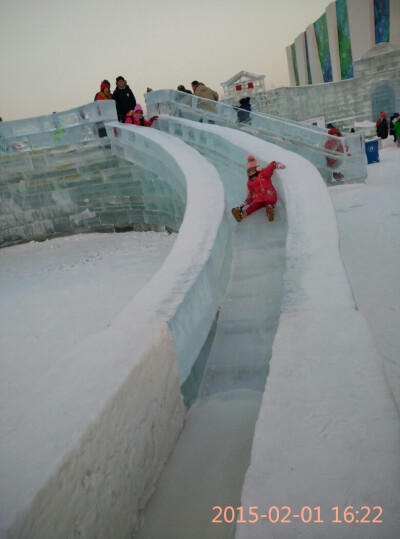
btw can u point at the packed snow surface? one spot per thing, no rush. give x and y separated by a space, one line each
369 225
56 293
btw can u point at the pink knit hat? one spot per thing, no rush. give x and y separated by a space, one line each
252 163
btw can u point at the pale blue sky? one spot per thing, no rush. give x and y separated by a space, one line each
54 53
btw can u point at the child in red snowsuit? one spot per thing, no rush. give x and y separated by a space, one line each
334 145
260 191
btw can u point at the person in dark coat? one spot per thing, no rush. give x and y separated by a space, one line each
181 88
382 128
244 110
124 98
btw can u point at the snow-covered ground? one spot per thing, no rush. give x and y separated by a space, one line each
54 294
369 224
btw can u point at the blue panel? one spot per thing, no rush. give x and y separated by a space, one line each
382 21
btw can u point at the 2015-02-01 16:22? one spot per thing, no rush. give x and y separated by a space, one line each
284 514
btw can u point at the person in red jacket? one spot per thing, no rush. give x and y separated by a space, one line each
260 190
334 145
136 117
104 92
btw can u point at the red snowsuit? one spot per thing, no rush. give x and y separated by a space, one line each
261 192
334 145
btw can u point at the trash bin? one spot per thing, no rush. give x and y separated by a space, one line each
372 151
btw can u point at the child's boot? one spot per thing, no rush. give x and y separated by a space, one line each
238 214
270 211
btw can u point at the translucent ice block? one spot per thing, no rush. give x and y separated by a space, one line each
306 140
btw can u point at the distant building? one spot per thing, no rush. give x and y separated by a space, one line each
375 87
348 31
243 84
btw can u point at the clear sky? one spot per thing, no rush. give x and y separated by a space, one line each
55 53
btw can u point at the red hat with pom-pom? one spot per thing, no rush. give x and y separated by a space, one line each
252 163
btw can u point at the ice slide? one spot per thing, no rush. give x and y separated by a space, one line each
307 140
113 450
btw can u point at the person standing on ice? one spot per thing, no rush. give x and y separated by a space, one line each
124 98
104 93
244 110
136 117
260 190
105 81
181 88
201 90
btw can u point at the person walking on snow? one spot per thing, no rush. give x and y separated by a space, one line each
260 190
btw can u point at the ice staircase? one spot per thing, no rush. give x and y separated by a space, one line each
227 287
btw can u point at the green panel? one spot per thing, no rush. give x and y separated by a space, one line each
346 57
296 71
308 60
321 35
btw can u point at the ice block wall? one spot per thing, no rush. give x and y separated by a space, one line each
59 175
197 300
84 455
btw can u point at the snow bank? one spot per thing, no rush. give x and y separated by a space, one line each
101 425
328 430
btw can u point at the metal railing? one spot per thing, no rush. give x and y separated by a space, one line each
339 159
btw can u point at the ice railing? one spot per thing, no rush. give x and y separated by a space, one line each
309 141
57 129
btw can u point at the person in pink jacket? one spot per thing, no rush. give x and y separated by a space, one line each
260 190
136 117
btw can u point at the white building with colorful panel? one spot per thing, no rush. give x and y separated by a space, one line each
348 31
